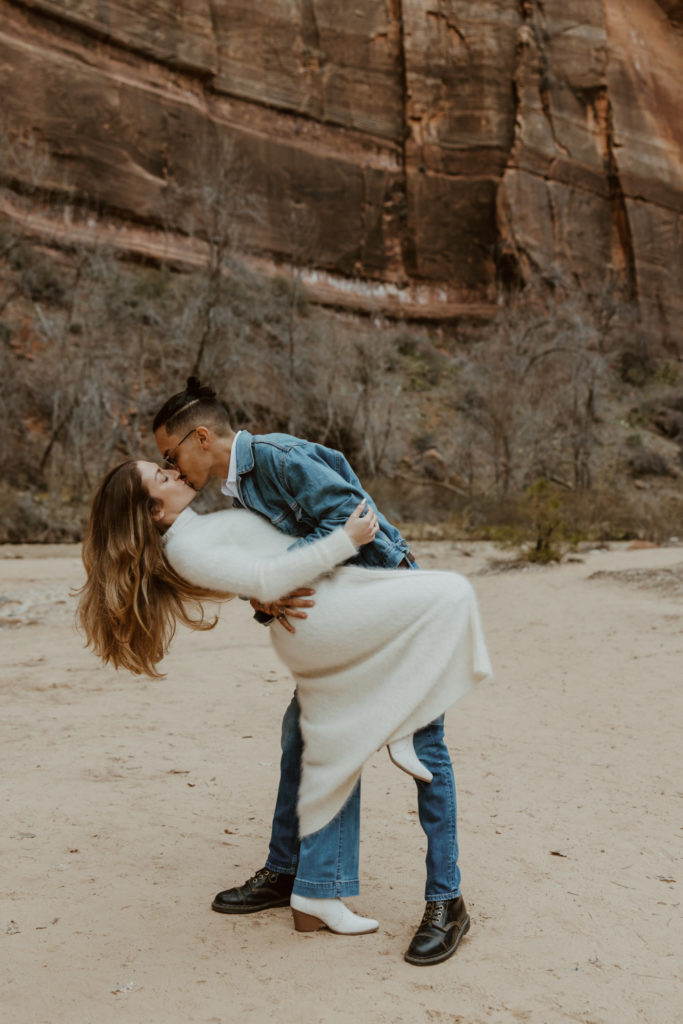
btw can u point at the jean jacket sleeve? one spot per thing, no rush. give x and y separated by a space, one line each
332 500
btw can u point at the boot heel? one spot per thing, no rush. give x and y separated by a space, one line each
306 922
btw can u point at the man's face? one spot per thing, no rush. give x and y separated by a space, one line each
189 452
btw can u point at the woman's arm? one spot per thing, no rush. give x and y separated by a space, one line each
230 565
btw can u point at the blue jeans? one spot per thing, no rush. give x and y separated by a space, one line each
326 863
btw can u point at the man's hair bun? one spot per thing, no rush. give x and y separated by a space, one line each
195 389
196 400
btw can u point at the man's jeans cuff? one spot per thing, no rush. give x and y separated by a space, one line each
443 896
279 870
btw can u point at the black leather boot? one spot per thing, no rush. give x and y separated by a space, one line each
264 890
441 929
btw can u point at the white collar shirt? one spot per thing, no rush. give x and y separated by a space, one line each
229 486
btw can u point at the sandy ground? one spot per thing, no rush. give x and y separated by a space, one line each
127 804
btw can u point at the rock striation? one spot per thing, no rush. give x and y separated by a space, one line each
417 157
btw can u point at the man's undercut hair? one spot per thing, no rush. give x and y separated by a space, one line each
196 406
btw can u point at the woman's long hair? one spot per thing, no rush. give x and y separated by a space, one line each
132 598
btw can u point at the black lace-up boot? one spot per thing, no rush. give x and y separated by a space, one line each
441 929
264 890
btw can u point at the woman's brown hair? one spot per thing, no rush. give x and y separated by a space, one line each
132 598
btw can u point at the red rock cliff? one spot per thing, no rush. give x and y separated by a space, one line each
414 156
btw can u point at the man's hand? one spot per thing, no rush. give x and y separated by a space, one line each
287 607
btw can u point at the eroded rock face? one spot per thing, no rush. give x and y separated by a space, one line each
674 9
413 156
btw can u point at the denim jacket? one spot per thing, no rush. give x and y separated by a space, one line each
307 490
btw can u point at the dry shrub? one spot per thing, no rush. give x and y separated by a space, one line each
648 462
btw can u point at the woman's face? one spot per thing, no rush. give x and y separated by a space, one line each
168 491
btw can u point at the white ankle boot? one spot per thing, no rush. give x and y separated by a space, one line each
310 915
402 753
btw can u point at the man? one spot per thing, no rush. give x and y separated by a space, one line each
307 490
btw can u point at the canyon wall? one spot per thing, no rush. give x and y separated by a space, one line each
412 157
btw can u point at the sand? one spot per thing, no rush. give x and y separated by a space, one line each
128 803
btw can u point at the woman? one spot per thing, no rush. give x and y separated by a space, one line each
384 652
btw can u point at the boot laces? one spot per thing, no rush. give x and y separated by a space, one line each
261 875
432 911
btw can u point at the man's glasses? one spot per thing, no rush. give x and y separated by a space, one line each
169 457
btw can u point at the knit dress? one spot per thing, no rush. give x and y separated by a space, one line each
382 653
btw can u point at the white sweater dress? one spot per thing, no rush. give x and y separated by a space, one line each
382 653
